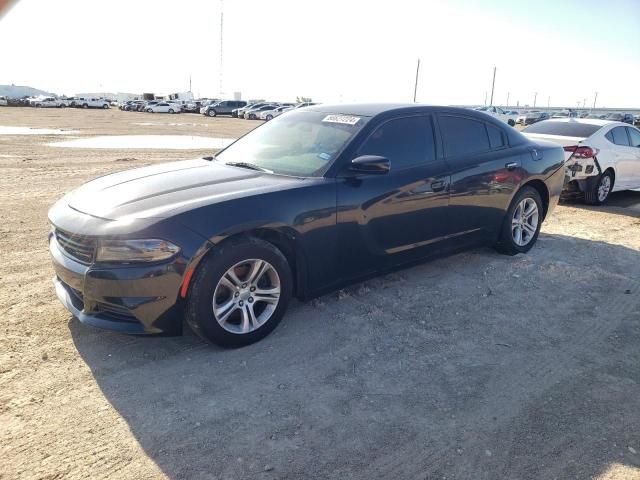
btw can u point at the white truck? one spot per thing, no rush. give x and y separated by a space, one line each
82 102
500 114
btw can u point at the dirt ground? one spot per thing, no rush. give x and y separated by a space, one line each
476 366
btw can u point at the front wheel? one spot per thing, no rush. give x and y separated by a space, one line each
211 113
240 293
62 105
269 117
105 106
522 223
84 105
171 110
598 189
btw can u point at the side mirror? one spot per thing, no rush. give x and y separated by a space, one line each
370 164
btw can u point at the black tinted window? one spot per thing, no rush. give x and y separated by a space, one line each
634 135
463 136
618 136
406 142
563 129
496 138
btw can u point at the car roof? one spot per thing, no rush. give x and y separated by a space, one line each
373 109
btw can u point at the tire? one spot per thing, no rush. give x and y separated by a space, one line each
171 110
212 113
269 117
38 105
105 106
511 123
62 105
84 105
149 110
597 192
206 288
508 241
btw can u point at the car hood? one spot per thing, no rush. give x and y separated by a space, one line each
163 190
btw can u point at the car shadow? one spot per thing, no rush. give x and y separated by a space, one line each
473 366
619 203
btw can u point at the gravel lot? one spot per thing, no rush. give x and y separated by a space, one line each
476 366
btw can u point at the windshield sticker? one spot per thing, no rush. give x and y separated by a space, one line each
344 119
324 156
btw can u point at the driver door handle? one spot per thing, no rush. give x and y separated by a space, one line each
511 165
437 186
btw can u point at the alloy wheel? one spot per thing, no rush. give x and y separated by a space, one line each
524 222
604 187
246 296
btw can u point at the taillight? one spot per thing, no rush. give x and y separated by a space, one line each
582 151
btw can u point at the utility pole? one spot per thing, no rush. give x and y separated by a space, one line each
485 98
535 96
548 101
493 84
508 95
415 87
221 45
189 83
594 100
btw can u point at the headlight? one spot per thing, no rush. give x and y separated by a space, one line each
130 251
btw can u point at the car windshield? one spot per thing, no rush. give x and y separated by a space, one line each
614 116
563 129
297 144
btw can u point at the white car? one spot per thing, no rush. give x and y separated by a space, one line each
601 156
163 107
82 102
50 102
271 114
500 114
3 101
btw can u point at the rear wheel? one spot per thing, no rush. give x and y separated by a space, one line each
62 105
269 117
511 123
84 105
240 293
522 223
105 106
171 110
599 188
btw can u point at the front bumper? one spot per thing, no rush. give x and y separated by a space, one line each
140 299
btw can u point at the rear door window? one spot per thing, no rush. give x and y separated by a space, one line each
406 142
634 136
496 137
618 136
463 136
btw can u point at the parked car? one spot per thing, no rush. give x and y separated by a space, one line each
271 114
601 156
240 111
565 114
497 112
597 116
145 105
620 117
82 102
253 112
636 120
343 192
50 102
3 101
531 117
163 107
192 107
224 107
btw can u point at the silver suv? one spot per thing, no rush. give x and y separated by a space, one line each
222 108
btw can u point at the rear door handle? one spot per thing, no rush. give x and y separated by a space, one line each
437 186
511 165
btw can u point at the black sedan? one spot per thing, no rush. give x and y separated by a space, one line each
315 199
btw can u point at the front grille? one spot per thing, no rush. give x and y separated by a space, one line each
77 246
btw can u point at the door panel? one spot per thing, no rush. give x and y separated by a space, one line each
392 218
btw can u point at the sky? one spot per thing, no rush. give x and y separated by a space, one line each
331 50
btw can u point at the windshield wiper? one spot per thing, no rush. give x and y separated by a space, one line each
251 166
